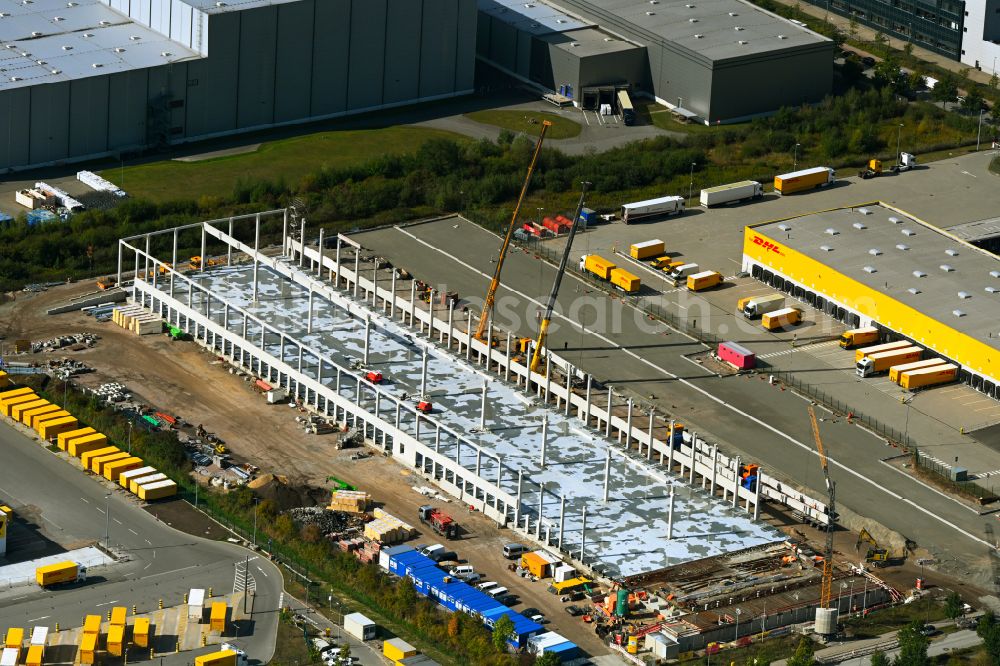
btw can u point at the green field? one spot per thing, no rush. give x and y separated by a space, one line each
287 159
528 122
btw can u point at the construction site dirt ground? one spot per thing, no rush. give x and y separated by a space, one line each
181 378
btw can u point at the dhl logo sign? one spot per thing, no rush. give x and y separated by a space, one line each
768 245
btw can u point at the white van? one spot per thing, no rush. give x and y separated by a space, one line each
486 586
431 549
461 571
497 591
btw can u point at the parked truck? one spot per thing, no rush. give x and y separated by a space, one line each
781 318
925 377
858 336
60 573
874 364
703 280
731 193
625 281
597 265
805 179
632 212
875 349
222 658
896 371
757 306
681 272
438 520
646 249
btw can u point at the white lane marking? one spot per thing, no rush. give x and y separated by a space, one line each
711 397
164 573
147 566
100 509
149 542
930 487
133 531
85 500
262 571
968 174
44 617
107 603
117 521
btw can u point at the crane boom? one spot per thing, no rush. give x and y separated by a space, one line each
543 328
826 585
487 312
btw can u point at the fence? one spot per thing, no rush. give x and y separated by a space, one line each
970 488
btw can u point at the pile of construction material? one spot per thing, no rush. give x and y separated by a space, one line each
95 182
137 319
87 339
112 392
330 523
350 501
387 529
66 368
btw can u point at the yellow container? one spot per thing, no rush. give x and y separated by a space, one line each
646 249
35 653
133 484
92 442
157 490
140 632
703 280
217 619
17 412
625 281
939 374
49 416
865 352
896 371
4 379
598 265
115 469
14 393
8 405
396 649
88 456
50 429
97 464
781 318
118 615
116 638
64 438
15 637
221 658
88 646
92 625
534 563
35 415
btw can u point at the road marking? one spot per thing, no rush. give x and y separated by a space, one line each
100 509
149 542
117 521
107 603
147 566
44 617
708 395
164 573
968 174
85 500
262 571
133 531
930 487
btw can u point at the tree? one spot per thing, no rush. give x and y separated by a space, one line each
953 605
803 654
945 90
345 651
502 630
994 81
453 625
879 659
888 73
912 645
548 659
973 102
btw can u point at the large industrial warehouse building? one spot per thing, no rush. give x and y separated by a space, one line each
91 78
713 60
875 265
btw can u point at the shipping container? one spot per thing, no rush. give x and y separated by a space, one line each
221 658
64 437
805 179
897 370
723 194
81 445
58 573
14 638
136 473
133 484
924 377
196 603
396 649
115 640
39 635
757 306
157 490
4 379
703 280
140 632
97 464
217 616
13 393
859 336
32 417
119 615
18 410
781 318
589 216
738 355
114 470
625 281
8 405
50 429
632 212
597 265
10 656
34 657
876 349
646 249
92 625
360 627
873 364
88 646
87 457
535 564
49 416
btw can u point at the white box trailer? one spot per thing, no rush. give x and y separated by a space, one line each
39 635
632 212
360 627
723 194
9 657
196 603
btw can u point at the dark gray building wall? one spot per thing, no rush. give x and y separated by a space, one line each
127 109
625 67
439 56
294 56
15 119
213 82
402 57
258 56
681 77
88 116
49 133
331 49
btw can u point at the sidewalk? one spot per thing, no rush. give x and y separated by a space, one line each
365 653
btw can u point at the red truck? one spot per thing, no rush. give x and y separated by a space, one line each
439 521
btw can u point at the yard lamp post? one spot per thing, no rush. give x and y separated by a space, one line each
738 613
130 437
979 133
691 184
795 158
899 131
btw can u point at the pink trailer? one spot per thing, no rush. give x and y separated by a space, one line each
738 355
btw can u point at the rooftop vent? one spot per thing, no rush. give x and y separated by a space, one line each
738 28
784 227
958 313
119 49
826 248
902 246
166 54
58 18
951 252
650 13
15 78
995 274
991 290
57 71
964 294
875 252
133 38
741 41
919 274
574 44
858 225
104 22
733 14
692 20
36 33
895 220
782 37
869 269
830 231
88 35
864 211
909 232
67 48
71 4
562 20
946 268
913 290
97 65
698 36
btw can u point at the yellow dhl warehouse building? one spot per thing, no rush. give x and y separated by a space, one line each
874 265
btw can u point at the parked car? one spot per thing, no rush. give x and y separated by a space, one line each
439 556
509 600
868 61
530 611
513 551
471 578
574 610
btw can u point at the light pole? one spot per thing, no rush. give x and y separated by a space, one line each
899 131
979 133
130 437
843 586
738 613
795 159
691 184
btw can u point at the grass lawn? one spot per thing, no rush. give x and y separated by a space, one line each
289 159
290 648
897 617
528 122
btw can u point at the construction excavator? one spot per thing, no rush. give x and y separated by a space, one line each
487 312
874 554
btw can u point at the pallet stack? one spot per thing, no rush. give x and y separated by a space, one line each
137 319
350 501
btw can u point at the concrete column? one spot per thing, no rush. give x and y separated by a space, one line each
479 461
320 247
413 302
319 372
416 427
628 427
586 407
694 452
545 437
520 487
649 441
173 260
670 448
256 255
336 282
300 359
715 469
496 495
392 299
562 519
736 487
468 340
527 369
309 321
583 536
607 424
337 386
451 325
458 448
375 284
145 275
541 509
284 232
302 243
756 497
670 516
569 389
607 474
430 316
423 375
281 347
204 259
398 408
118 281
225 317
244 333
548 378
229 247
368 339
482 408
357 271
506 370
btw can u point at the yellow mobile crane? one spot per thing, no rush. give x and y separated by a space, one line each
543 328
825 590
487 312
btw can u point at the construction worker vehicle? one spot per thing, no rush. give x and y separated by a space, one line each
106 283
874 555
439 521
872 170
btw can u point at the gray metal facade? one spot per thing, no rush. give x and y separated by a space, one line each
251 65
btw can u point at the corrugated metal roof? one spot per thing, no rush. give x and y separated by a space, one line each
536 18
223 6
49 41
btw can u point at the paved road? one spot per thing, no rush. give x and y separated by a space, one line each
619 346
958 640
162 563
